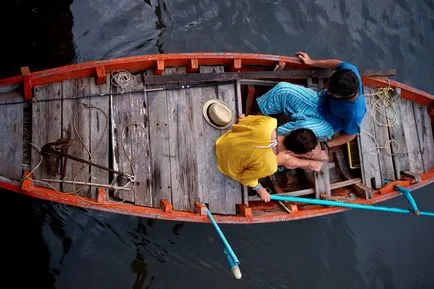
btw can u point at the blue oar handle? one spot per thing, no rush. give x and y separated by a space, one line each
409 197
230 255
346 205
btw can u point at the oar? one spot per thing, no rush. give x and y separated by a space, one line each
405 191
230 255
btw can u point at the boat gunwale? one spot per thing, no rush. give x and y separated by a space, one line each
27 188
158 62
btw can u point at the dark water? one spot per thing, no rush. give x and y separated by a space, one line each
45 245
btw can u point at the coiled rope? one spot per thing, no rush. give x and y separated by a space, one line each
124 80
382 101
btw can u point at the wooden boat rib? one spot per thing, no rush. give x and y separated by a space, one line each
138 144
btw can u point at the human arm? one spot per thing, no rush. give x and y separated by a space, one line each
325 63
263 194
340 139
291 162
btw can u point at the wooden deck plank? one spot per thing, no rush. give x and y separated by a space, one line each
46 126
158 123
370 165
99 132
380 120
75 126
216 76
322 181
11 133
400 156
182 146
410 137
238 95
130 143
425 135
233 189
220 192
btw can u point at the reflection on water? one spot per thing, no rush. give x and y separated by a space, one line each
49 245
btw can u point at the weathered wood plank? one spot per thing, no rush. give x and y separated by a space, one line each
215 189
411 140
46 126
381 115
159 144
99 132
245 192
322 181
370 165
218 76
425 135
75 126
11 133
182 145
233 189
396 132
130 144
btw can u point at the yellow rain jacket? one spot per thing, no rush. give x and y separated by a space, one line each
237 156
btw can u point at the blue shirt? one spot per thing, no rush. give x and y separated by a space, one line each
344 115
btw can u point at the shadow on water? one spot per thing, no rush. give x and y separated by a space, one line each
38 34
24 252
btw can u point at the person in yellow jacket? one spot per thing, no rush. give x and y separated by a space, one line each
251 150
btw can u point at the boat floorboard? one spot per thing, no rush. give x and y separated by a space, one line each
11 132
394 138
160 137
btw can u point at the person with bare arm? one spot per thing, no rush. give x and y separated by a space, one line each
333 114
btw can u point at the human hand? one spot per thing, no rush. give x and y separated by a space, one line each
304 57
315 165
264 195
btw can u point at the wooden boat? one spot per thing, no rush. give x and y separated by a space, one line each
127 136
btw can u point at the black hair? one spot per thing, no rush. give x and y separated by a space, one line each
300 141
343 84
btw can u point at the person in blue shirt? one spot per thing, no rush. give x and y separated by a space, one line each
334 114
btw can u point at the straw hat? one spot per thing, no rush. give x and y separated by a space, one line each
217 114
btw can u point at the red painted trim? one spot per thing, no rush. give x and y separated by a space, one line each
166 206
245 210
235 65
139 63
429 175
193 65
200 208
27 83
101 196
159 68
303 212
11 80
100 73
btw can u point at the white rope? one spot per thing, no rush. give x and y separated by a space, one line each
124 80
130 158
84 144
381 102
